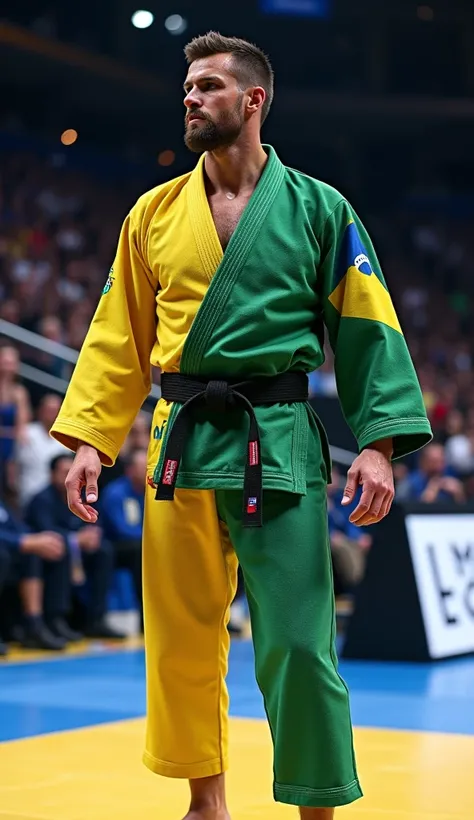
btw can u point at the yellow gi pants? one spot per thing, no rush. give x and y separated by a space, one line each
189 582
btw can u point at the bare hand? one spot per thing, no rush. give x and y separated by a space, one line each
453 487
84 473
48 545
365 542
373 469
431 491
89 538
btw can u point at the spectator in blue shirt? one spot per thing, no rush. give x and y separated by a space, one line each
88 557
433 481
20 550
121 514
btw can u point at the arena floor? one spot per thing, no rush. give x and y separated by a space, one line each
72 732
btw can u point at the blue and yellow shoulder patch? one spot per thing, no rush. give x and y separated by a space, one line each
358 292
109 282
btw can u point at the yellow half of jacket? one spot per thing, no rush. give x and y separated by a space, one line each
171 236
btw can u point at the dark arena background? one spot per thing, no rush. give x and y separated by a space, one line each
377 99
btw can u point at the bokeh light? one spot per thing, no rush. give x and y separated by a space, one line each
166 158
175 24
69 136
142 18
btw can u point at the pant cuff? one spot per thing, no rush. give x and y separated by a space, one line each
188 771
317 798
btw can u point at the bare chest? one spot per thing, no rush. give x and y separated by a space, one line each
226 214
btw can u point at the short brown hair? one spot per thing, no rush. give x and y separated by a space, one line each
251 66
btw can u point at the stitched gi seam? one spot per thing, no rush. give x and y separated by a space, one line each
310 790
334 659
238 476
77 426
382 425
181 765
221 628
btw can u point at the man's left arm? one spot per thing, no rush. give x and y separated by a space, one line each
377 384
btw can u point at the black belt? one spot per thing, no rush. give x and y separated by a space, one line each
220 396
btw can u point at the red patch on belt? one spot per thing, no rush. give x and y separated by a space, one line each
170 471
253 453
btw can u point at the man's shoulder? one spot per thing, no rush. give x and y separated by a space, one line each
323 190
44 496
147 204
417 479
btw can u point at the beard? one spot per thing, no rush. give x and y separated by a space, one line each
207 135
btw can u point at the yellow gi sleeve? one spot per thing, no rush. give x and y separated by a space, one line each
112 376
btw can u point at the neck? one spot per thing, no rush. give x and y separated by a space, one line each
236 168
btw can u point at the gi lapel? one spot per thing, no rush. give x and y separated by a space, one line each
235 256
204 229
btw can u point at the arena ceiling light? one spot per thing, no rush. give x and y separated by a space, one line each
142 18
175 24
69 136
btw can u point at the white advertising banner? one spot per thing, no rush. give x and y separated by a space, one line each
442 551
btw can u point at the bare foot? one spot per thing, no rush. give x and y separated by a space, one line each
208 799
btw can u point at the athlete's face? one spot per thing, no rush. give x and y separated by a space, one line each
214 103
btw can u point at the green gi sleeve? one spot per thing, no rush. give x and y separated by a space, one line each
377 384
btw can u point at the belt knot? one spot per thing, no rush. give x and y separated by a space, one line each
217 395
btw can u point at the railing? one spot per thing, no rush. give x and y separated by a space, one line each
68 354
60 351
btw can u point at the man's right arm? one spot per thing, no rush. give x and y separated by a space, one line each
112 376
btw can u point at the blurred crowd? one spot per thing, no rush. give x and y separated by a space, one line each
57 574
58 232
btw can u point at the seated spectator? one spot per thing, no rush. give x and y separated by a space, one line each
468 482
21 554
37 450
459 447
349 543
15 412
139 435
138 439
50 327
121 513
433 481
88 555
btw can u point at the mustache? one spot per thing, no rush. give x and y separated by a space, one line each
199 113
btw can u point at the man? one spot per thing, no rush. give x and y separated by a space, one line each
223 278
433 481
20 552
37 450
137 439
121 512
88 557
